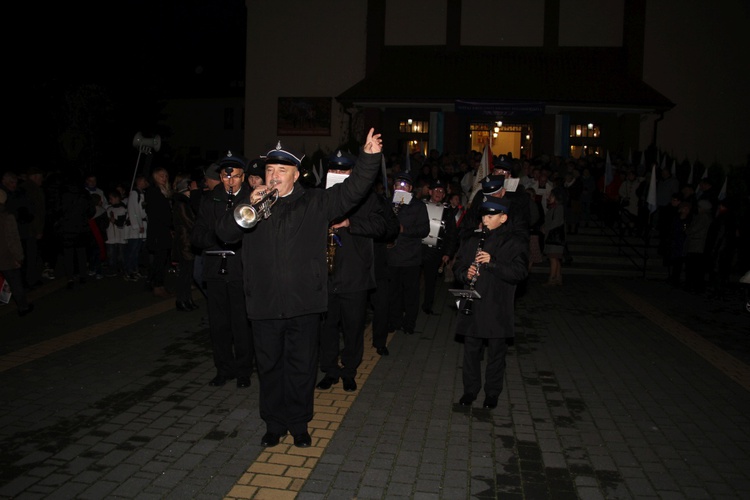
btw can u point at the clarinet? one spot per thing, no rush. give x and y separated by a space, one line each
467 309
230 199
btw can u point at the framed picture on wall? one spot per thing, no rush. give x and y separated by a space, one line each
304 116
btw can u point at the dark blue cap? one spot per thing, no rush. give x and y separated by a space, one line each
491 206
403 176
257 167
232 161
492 184
282 156
502 162
341 160
437 184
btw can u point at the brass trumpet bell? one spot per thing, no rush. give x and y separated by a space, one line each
247 216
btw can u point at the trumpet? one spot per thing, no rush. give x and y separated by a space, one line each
248 215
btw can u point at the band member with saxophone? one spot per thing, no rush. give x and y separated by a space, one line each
405 259
286 281
494 271
440 245
351 276
231 339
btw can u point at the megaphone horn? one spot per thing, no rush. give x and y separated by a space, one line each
145 144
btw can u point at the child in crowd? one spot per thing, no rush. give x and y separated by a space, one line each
117 232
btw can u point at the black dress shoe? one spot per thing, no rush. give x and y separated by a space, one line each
183 306
383 351
349 384
219 380
326 382
243 382
24 312
302 440
467 399
490 402
270 439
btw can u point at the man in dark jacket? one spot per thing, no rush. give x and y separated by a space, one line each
405 258
286 282
351 274
231 339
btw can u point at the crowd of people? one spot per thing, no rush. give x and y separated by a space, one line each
244 230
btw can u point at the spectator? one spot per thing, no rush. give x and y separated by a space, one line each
137 229
158 198
11 257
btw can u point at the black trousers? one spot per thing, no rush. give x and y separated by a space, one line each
494 372
345 317
379 302
403 301
231 339
432 257
286 352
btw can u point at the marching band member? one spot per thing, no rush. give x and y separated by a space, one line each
231 340
501 264
440 245
351 275
405 258
286 281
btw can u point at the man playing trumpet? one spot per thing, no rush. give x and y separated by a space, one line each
286 275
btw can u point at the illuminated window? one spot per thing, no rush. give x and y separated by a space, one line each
414 127
585 130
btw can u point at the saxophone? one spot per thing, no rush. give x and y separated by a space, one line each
334 241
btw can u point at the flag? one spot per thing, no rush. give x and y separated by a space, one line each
723 192
690 176
482 172
385 176
608 173
318 173
651 197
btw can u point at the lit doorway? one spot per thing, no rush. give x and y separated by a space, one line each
503 138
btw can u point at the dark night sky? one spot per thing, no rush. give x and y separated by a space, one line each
138 51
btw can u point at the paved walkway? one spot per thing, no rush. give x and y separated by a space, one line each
615 388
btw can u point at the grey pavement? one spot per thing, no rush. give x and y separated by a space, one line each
604 398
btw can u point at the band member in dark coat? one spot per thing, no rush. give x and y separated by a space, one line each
500 184
231 339
379 295
286 281
494 271
438 248
351 274
405 258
